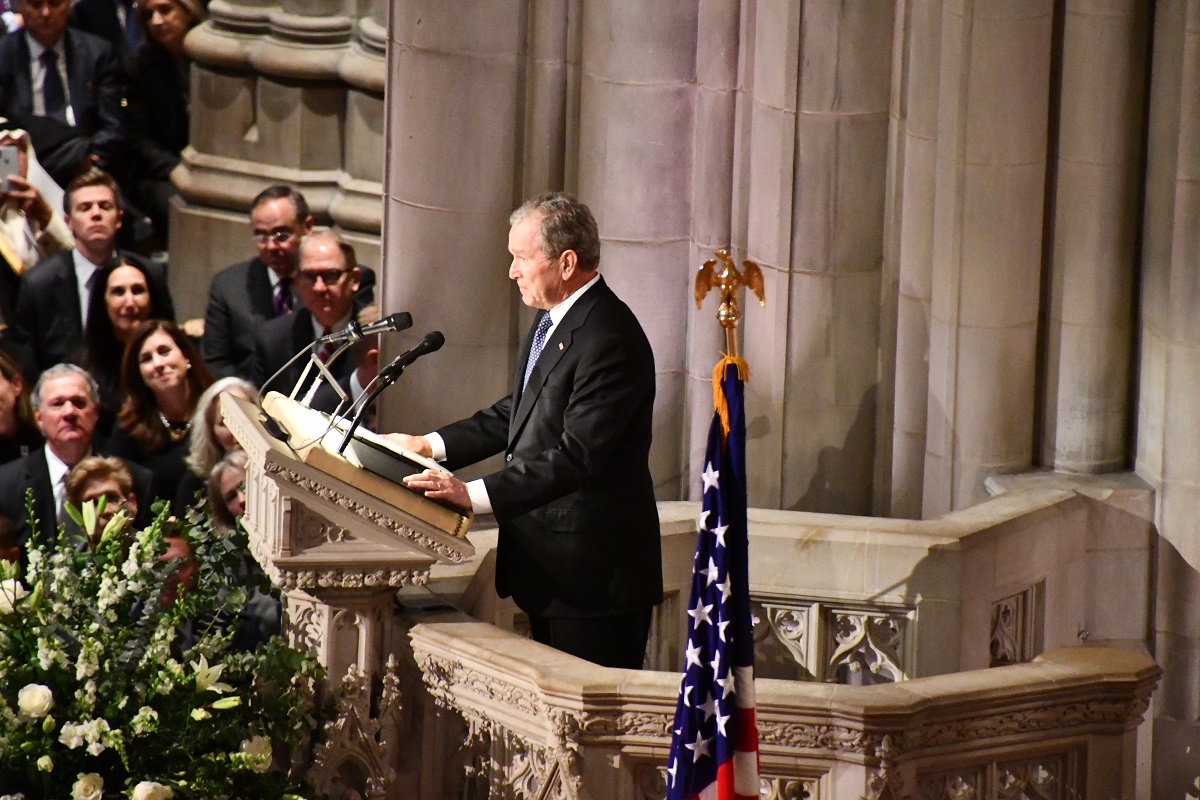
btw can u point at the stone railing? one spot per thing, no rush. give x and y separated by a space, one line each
541 724
919 607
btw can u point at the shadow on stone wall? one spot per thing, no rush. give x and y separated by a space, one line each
844 480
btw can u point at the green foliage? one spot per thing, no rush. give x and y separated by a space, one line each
111 664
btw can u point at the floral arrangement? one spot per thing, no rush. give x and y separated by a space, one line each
117 675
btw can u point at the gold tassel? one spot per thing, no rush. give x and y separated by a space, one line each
719 402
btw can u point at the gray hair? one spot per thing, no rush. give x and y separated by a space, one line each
334 238
63 371
205 451
567 224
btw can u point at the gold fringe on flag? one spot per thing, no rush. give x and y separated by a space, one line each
718 382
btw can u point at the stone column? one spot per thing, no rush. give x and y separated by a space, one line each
908 258
1097 197
452 177
987 233
1167 452
636 134
816 201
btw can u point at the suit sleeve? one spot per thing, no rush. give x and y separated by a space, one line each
111 133
478 437
216 344
154 159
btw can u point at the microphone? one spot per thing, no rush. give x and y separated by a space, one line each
429 343
387 376
400 321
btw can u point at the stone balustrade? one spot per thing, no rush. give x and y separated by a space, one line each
541 724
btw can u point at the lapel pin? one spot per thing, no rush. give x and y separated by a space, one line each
560 345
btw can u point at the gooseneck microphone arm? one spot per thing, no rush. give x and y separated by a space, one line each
387 376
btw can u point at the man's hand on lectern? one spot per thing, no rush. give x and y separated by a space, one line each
438 485
414 444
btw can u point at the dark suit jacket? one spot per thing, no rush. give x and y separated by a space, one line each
48 322
32 472
579 533
240 300
95 80
280 339
99 18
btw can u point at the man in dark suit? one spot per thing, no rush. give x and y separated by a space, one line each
114 21
48 321
244 296
66 409
579 548
327 278
65 87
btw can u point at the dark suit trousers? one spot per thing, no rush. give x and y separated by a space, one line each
613 640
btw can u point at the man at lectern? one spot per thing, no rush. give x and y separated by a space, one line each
579 547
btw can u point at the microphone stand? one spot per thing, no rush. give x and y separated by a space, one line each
382 381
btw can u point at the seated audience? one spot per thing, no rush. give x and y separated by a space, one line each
226 494
66 88
95 477
122 297
18 434
327 277
65 407
52 307
211 440
246 295
162 377
158 102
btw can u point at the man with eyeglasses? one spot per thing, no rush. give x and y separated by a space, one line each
246 295
66 88
327 278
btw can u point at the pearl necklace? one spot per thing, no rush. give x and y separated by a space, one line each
175 430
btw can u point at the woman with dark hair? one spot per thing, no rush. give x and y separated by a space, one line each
163 377
159 101
122 298
18 433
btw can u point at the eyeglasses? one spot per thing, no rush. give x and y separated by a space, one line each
332 277
278 236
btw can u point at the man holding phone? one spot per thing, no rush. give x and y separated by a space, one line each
30 231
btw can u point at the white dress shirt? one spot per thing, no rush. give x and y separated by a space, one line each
37 77
85 272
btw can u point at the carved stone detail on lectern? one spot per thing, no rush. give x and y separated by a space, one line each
323 492
353 760
311 530
307 621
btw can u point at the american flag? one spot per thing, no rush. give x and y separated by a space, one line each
714 749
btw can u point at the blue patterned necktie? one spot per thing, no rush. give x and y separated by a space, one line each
539 341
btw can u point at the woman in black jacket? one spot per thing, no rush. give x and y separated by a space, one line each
158 102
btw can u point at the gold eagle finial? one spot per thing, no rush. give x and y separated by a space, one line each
728 279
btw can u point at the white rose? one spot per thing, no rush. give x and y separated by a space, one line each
151 790
45 764
260 748
35 700
11 591
88 787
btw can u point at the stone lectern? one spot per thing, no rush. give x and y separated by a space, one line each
339 540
